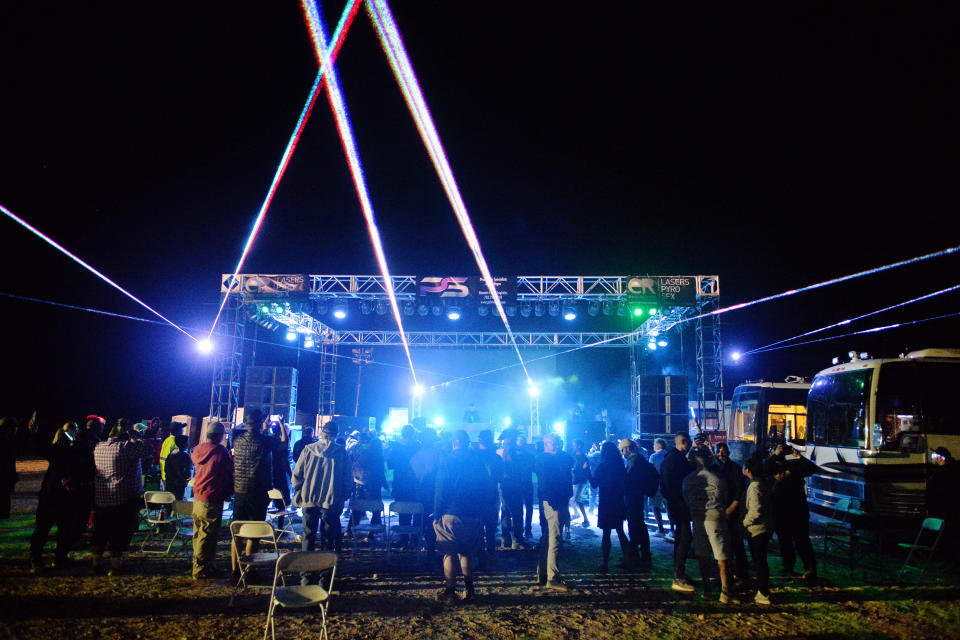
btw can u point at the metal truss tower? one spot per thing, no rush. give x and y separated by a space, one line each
328 376
228 363
709 356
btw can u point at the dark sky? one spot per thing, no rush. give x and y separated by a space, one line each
773 146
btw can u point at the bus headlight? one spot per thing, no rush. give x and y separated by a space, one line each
876 439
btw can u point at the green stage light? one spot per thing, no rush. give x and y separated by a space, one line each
265 308
653 311
638 312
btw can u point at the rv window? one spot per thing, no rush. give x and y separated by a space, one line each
837 407
917 397
745 412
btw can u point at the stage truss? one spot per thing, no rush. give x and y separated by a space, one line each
300 311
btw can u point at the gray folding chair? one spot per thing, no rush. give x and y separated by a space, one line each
369 530
160 518
413 532
302 596
240 532
922 545
286 514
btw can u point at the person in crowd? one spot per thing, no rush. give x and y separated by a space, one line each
369 474
490 515
178 467
674 469
555 486
581 480
57 503
511 496
87 439
118 485
213 485
758 525
8 463
941 498
278 434
610 480
322 481
791 515
593 459
523 468
404 481
471 415
176 429
705 493
656 502
425 464
642 481
732 474
307 437
252 474
458 507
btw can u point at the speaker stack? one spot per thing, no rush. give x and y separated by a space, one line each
272 390
663 405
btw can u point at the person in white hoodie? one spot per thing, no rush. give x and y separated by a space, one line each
321 483
758 523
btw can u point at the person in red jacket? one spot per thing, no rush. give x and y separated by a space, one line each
212 485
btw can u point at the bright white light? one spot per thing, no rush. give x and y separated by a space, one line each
339 314
506 421
308 342
661 343
534 391
205 346
453 313
558 426
291 334
417 390
652 346
569 315
736 356
438 421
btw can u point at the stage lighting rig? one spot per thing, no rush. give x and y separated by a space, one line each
569 312
340 311
453 313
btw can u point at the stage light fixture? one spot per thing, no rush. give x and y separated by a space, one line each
661 343
438 421
339 311
322 307
558 426
409 308
308 342
506 421
569 312
525 309
366 307
534 391
538 310
653 311
638 312
483 310
417 390
382 308
621 308
453 313
593 308
511 310
265 308
423 310
607 307
554 308
436 309
205 346
291 334
736 355
652 345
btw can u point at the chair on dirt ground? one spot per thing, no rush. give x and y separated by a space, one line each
321 563
837 534
413 532
240 532
370 531
274 516
183 510
925 544
161 520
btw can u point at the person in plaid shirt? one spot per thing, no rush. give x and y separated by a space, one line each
118 486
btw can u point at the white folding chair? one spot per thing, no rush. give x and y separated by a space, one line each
160 517
413 532
301 596
286 513
935 528
240 532
183 511
369 530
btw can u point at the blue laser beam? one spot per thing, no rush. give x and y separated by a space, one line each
338 106
346 19
59 247
396 53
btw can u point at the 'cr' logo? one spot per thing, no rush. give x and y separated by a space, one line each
641 285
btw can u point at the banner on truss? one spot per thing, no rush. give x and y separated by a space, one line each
255 284
463 288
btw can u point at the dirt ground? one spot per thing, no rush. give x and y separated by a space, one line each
396 599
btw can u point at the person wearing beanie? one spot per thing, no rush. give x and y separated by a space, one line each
212 486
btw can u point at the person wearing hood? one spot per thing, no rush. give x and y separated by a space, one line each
321 483
212 486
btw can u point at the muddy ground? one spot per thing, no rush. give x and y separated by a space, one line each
396 599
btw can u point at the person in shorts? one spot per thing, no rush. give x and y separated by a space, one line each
458 507
705 494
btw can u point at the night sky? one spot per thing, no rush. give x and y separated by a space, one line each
774 147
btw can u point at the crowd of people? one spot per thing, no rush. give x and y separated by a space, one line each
478 497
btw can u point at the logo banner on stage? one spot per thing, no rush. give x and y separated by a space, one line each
677 291
473 288
248 283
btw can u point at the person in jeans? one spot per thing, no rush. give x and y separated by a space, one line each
674 469
581 480
524 466
656 502
322 481
212 486
555 486
791 515
758 523
642 481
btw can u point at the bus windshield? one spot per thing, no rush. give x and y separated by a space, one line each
837 407
915 397
744 414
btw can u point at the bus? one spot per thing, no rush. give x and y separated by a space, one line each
761 409
871 426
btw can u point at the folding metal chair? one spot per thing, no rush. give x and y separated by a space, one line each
183 511
836 531
302 596
412 531
240 532
160 517
935 527
288 514
368 530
